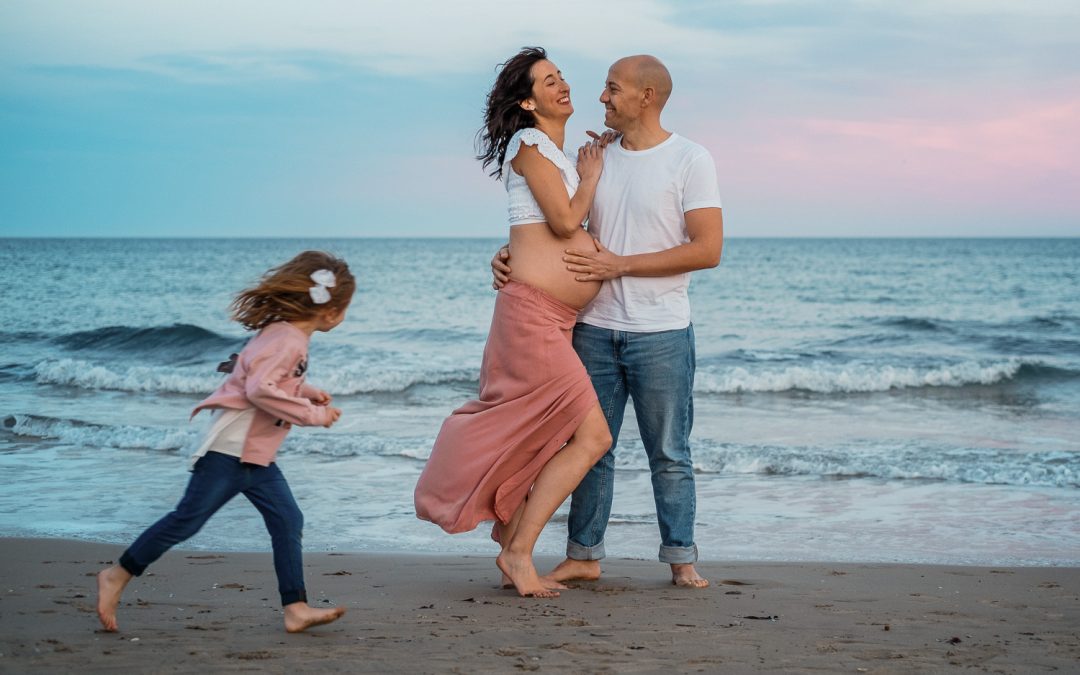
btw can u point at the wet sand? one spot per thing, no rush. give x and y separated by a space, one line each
218 612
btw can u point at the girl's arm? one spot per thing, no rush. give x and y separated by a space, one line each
315 395
563 214
261 388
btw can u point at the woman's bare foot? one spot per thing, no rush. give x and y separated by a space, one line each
570 570
299 616
685 576
110 585
549 583
518 567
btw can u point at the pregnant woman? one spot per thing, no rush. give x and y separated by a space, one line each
514 454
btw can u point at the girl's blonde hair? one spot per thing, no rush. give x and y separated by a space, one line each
283 294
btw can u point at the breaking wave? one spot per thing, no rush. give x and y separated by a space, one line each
361 378
853 378
903 460
186 437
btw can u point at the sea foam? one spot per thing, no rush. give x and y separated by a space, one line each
899 460
137 378
77 432
185 437
355 378
851 378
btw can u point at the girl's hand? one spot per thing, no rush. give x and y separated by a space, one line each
590 162
334 414
322 398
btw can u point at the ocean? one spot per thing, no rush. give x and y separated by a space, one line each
876 400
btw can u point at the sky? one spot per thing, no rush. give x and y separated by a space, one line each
265 118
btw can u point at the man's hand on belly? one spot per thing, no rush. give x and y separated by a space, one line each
500 271
598 264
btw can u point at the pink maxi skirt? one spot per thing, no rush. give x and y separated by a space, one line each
534 393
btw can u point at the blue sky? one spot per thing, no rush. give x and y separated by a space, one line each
264 118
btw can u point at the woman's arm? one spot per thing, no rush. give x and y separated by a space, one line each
563 214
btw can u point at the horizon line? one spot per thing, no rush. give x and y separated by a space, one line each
479 237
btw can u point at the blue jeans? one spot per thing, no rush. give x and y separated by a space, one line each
215 479
656 370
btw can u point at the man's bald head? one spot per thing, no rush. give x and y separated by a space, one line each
647 72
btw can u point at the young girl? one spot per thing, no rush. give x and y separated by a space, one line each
253 409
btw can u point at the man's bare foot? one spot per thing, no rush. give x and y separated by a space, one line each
685 576
521 572
110 585
570 570
549 583
299 616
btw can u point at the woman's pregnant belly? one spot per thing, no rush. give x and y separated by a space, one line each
536 259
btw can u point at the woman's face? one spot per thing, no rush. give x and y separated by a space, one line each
550 92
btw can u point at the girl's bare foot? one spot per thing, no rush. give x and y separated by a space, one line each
520 570
570 569
110 585
686 576
299 616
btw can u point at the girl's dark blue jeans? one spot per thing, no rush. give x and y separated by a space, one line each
215 479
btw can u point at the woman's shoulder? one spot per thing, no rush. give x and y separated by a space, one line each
534 137
530 136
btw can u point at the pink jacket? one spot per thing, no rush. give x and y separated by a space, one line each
269 376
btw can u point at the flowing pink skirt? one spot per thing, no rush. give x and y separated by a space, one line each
534 393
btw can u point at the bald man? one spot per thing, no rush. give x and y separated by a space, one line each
655 219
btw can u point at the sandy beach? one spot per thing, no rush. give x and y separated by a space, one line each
212 612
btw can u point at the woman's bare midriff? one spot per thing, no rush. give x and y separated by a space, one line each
536 258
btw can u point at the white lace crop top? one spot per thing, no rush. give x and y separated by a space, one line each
522 205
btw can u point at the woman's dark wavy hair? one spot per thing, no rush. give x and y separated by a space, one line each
503 114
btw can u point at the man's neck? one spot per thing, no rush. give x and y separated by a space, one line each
644 136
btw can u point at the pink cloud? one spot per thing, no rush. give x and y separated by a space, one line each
1040 137
959 153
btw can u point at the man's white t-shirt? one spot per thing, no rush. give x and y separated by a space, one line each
639 208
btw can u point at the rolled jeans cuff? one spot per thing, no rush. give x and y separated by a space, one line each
133 568
678 555
290 597
576 551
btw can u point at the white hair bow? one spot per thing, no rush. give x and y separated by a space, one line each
324 280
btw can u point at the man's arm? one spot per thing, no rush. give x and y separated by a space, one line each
500 270
704 227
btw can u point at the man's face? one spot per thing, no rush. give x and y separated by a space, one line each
621 99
